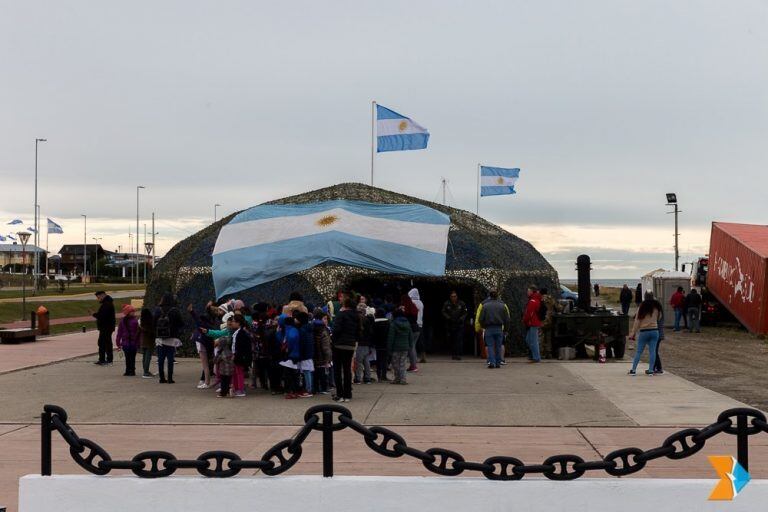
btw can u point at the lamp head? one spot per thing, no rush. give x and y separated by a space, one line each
671 198
23 237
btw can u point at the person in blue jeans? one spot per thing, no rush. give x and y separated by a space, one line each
645 330
677 301
494 337
493 318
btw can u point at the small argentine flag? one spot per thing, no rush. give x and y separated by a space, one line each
54 228
496 181
396 132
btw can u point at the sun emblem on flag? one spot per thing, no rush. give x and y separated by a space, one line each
327 220
500 180
402 126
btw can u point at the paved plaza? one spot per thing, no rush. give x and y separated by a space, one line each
523 410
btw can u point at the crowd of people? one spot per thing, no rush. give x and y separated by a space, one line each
298 349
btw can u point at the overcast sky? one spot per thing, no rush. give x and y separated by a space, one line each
605 105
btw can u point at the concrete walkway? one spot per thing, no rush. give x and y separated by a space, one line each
45 351
88 321
79 296
522 410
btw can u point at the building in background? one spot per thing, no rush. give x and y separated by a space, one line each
11 258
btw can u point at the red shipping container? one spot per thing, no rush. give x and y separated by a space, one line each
738 272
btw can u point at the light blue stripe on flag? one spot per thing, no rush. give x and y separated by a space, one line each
385 113
402 142
403 212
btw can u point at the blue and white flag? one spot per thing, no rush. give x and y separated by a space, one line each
496 181
395 132
54 228
15 221
268 242
2 238
31 229
11 237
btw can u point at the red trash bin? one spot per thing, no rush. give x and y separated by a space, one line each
43 320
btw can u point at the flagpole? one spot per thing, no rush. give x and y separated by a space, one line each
47 232
373 136
477 211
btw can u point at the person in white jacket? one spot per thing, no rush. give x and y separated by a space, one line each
418 345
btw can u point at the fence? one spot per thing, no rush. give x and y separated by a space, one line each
331 418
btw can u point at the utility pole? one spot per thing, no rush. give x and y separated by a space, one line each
153 240
136 256
85 244
672 201
96 271
445 183
37 222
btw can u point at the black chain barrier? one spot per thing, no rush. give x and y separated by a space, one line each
330 418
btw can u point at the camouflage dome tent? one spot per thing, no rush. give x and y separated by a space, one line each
480 256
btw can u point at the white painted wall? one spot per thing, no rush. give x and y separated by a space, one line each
362 494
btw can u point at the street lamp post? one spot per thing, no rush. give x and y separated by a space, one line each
85 244
24 238
215 212
672 201
37 217
137 232
96 271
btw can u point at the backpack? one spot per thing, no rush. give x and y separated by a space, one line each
163 325
542 311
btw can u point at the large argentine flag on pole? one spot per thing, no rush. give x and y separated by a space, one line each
395 132
496 181
268 242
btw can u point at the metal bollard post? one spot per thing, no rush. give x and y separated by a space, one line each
327 443
742 441
45 444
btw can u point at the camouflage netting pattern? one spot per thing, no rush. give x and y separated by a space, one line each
479 253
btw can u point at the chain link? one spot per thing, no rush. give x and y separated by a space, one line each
284 463
85 457
285 454
560 465
752 429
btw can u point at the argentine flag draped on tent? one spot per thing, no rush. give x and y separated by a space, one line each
395 132
496 181
268 242
54 228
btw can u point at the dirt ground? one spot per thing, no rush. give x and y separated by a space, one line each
728 360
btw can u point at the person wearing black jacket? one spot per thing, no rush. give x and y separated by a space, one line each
455 313
345 335
380 340
693 303
105 323
243 354
625 298
168 328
